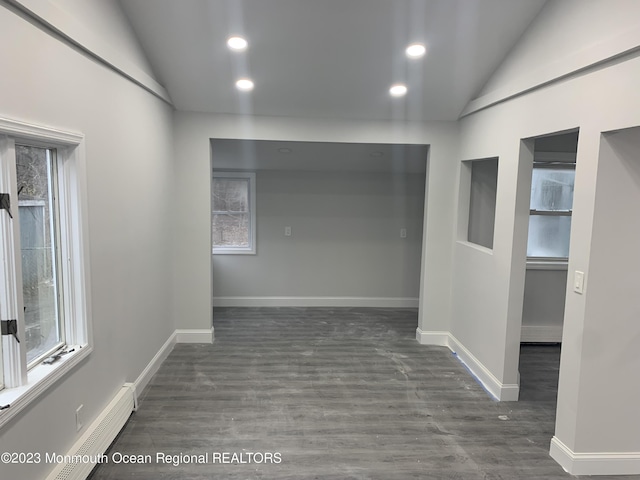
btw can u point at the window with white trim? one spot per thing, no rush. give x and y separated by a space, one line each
233 223
36 175
44 269
550 210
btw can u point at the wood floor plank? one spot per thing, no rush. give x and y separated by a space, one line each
339 393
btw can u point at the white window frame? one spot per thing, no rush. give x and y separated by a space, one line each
55 228
550 263
251 249
22 385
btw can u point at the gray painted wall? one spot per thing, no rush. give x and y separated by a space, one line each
544 295
129 170
487 295
192 256
611 336
345 237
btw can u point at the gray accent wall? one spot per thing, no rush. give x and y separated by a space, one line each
345 238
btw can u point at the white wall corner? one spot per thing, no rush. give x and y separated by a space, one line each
440 339
500 391
610 463
367 302
541 333
504 392
150 370
194 335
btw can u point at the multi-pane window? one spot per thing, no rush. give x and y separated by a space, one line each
233 212
550 214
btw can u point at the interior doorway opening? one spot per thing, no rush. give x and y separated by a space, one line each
332 224
551 207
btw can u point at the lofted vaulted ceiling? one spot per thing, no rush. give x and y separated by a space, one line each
328 58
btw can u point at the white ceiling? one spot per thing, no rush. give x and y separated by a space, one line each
229 154
328 58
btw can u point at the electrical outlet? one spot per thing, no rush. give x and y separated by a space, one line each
287 231
79 423
403 233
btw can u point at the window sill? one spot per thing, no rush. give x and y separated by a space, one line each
231 251
534 264
475 246
40 378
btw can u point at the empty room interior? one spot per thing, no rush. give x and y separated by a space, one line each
358 239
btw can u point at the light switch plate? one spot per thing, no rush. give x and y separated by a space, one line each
578 282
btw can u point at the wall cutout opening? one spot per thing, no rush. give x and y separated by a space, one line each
482 178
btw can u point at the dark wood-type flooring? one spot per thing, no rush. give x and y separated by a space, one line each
340 394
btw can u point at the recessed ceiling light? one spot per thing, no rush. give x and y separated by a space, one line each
237 43
398 90
244 84
416 50
376 154
284 150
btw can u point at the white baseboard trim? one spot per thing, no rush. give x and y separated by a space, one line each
90 448
498 390
541 333
178 336
440 339
501 391
373 302
621 463
150 370
194 335
101 433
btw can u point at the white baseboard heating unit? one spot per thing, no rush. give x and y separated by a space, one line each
100 434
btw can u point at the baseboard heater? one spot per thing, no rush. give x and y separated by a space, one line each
100 434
